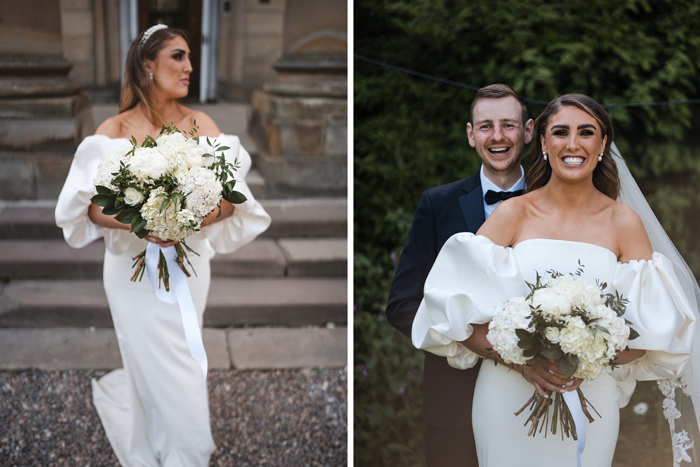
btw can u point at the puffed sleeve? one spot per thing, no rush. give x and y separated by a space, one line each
74 200
661 313
249 219
469 283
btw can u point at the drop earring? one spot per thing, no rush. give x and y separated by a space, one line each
544 155
600 157
151 76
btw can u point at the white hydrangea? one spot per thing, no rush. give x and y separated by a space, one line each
110 166
202 191
167 224
502 328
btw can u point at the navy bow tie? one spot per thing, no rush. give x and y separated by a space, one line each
493 197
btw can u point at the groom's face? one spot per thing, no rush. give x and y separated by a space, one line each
498 133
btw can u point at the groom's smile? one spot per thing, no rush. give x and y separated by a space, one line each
498 135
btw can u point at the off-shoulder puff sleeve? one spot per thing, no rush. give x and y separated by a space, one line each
471 280
660 312
249 219
74 200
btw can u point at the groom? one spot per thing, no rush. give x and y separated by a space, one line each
498 130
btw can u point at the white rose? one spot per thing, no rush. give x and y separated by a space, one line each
132 196
148 163
552 334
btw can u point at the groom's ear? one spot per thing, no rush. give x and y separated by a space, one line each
470 134
529 128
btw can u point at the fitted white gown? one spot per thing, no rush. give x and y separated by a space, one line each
155 411
472 278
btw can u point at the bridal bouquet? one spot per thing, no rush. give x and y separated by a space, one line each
166 186
566 320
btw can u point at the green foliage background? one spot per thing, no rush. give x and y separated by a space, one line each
409 135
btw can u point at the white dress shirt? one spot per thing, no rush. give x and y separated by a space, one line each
487 185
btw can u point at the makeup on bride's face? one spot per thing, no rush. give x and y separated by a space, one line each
171 69
573 141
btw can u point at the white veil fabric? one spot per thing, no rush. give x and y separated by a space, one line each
682 395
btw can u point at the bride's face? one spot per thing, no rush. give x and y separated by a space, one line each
573 140
171 69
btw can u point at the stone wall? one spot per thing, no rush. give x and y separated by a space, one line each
250 41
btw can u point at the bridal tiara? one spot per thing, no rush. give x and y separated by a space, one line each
149 32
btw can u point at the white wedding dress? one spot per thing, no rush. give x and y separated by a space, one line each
155 411
472 278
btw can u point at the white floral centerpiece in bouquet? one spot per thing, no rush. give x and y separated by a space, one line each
167 186
569 321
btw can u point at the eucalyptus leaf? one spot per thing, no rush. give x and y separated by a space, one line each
236 197
103 200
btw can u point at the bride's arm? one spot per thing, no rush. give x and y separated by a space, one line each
634 244
542 374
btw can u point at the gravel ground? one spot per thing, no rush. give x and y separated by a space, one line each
281 417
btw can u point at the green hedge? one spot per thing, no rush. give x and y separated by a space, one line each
409 132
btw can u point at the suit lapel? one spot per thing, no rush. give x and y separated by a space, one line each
472 203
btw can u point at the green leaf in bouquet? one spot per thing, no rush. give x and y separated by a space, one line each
526 343
127 215
223 148
568 364
633 334
236 197
149 142
104 200
552 353
523 333
133 140
164 204
138 225
109 211
529 353
599 328
119 203
103 190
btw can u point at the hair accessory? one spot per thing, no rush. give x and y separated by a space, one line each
600 157
149 32
544 155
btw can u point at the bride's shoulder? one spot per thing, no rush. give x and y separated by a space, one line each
113 127
632 237
206 125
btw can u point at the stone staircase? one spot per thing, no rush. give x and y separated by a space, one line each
288 288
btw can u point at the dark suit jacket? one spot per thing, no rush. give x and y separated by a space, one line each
442 212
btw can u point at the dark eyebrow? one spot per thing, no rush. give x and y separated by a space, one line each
580 127
491 121
178 50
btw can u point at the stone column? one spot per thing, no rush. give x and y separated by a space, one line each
300 119
43 115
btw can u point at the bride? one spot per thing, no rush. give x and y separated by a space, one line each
155 410
569 214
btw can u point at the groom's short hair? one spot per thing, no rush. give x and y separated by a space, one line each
499 91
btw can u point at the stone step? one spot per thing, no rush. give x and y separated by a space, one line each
53 258
232 302
97 348
314 217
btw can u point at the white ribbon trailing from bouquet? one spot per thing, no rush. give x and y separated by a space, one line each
179 293
574 402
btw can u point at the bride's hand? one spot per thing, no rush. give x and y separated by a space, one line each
545 375
161 243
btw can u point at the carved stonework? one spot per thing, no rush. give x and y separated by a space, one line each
300 119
